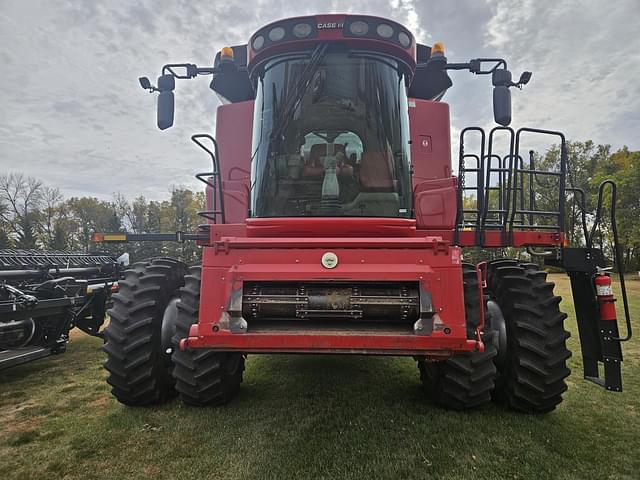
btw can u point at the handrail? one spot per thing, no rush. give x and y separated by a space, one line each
217 178
532 171
616 248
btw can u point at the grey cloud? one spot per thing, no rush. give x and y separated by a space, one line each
70 107
74 115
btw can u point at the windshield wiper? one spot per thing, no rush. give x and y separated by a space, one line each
286 114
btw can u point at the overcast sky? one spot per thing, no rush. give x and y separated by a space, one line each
72 113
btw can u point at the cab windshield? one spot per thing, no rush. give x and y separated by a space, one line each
331 137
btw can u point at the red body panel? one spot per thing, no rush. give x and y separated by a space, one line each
429 262
430 140
434 189
233 134
468 238
434 202
331 227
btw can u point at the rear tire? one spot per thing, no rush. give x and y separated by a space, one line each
531 378
139 368
203 377
465 380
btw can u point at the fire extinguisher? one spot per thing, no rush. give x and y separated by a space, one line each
604 295
611 354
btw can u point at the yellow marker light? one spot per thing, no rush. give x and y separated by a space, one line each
114 237
226 53
437 47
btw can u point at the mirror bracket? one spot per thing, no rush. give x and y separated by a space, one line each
166 86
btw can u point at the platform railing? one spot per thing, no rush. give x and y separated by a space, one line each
511 191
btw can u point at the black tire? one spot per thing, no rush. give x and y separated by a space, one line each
139 368
532 376
465 380
203 377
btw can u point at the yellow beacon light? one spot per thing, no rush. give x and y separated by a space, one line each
437 47
226 53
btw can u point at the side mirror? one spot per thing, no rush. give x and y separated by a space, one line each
165 110
524 78
502 105
166 101
145 83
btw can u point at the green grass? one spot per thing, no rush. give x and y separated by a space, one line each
311 417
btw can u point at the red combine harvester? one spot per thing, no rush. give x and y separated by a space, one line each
335 225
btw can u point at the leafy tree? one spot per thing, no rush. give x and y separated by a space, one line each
5 240
93 215
54 227
22 198
623 167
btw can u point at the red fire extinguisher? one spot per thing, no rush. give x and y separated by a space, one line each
604 295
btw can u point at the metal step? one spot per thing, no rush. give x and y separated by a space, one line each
11 358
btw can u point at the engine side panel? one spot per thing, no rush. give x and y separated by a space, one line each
434 187
430 140
233 134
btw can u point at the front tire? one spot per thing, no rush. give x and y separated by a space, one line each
203 377
465 380
138 365
531 378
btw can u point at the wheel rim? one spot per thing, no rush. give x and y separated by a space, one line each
497 324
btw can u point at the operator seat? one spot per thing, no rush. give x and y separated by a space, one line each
314 167
376 172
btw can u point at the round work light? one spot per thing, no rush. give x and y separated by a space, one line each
276 34
359 28
384 30
258 42
404 39
302 30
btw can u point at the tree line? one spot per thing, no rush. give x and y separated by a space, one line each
37 216
588 165
34 215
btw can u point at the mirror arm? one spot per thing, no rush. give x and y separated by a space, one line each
191 70
207 70
475 65
458 66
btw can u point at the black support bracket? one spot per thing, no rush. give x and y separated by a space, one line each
599 340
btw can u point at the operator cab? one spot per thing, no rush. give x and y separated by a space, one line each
331 135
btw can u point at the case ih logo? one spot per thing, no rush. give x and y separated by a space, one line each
330 25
